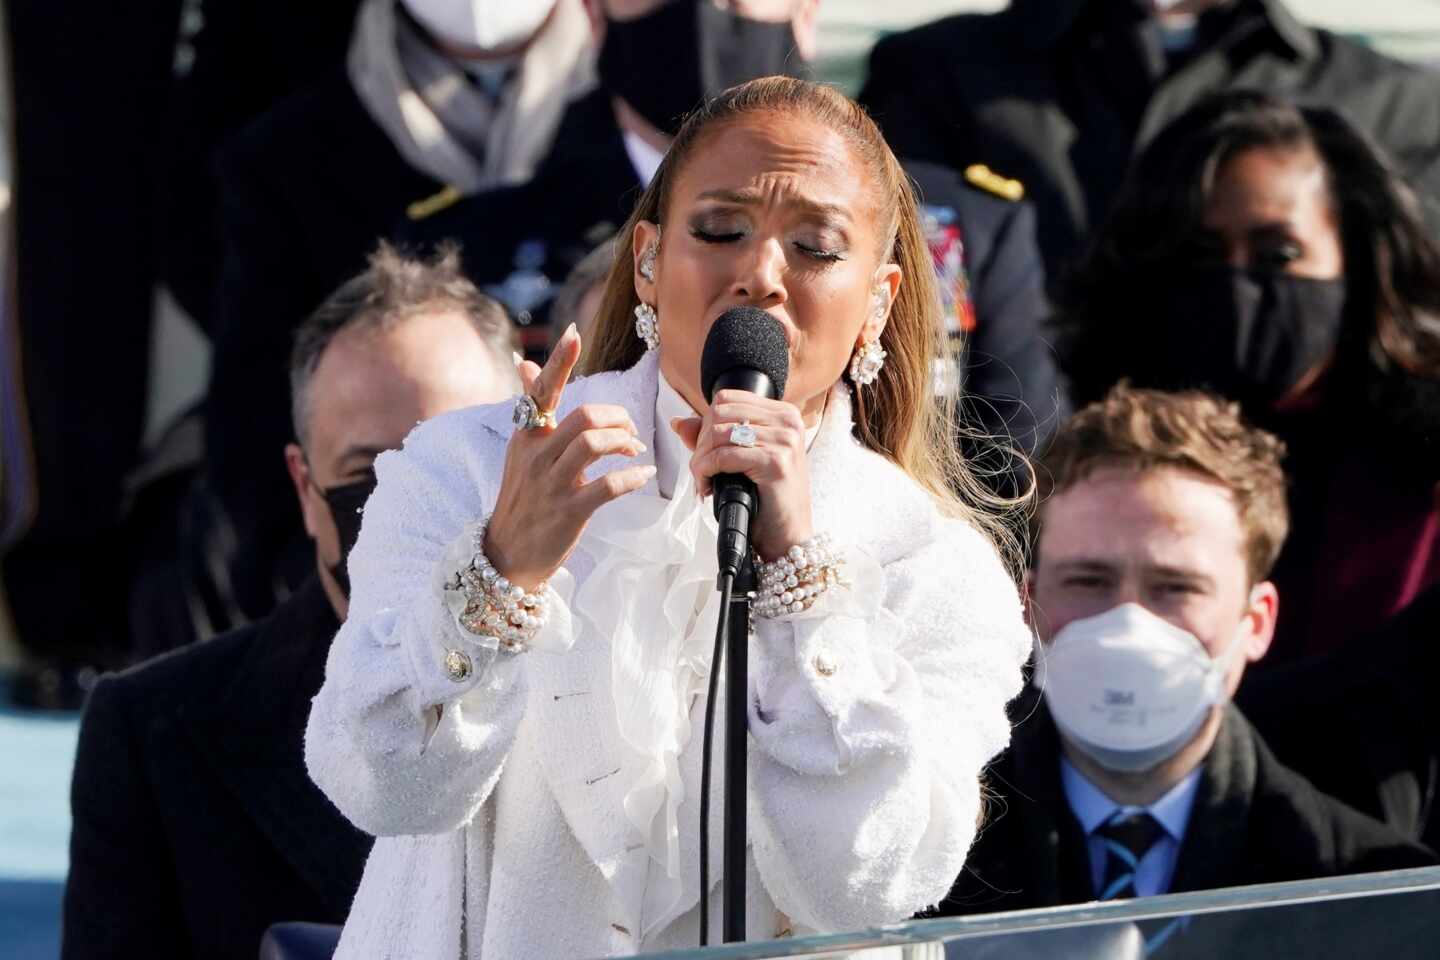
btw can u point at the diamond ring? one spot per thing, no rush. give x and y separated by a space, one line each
529 416
743 435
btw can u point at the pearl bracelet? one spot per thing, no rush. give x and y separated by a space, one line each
792 583
495 607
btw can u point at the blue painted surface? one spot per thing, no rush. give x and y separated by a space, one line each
30 919
37 751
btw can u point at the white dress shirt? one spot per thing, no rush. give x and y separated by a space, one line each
1094 809
643 157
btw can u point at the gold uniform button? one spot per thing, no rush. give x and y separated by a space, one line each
458 666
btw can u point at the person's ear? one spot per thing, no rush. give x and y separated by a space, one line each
883 291
306 490
1259 620
645 250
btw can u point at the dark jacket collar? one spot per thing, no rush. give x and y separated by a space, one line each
252 730
1213 851
1045 22
1053 839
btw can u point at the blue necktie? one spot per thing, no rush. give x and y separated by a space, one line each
1127 836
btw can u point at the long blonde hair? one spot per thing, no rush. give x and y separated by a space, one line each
899 416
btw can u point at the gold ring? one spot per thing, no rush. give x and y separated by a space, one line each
528 415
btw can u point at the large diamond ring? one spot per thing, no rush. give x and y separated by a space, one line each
529 416
742 434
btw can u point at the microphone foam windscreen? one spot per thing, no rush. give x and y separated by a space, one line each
745 338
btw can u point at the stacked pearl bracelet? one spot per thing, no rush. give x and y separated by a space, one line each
495 607
792 583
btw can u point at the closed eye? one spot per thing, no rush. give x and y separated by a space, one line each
827 256
704 236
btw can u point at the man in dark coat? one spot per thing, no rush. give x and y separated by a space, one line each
1134 776
1059 94
306 191
196 825
1363 724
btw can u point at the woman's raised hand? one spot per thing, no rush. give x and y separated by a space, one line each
544 500
776 463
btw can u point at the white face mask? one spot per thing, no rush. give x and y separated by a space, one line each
1128 688
484 24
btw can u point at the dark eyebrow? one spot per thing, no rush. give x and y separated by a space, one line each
1180 573
1087 566
744 198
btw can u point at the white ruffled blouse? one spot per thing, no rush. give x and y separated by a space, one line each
547 804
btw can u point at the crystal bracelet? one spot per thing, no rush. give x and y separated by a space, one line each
495 607
792 583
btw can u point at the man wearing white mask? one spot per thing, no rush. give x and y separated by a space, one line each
437 97
1131 773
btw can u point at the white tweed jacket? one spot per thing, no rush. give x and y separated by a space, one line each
500 829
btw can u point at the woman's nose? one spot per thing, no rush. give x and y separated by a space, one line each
761 279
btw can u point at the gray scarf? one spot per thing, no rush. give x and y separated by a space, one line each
447 126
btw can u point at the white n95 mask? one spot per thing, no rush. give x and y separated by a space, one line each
485 24
1128 688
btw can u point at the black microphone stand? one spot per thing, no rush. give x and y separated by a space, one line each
737 686
736 503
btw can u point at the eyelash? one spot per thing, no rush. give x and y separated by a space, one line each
825 256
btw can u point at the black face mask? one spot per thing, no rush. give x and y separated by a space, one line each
666 62
346 502
1249 335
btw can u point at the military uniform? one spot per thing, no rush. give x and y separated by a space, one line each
1061 94
520 243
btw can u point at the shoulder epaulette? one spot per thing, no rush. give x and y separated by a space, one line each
979 175
432 205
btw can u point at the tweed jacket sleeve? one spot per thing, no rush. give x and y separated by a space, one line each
396 743
873 723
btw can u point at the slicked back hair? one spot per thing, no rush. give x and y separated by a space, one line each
393 288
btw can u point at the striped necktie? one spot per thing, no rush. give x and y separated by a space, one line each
1127 836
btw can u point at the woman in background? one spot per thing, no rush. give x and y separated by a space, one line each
1271 253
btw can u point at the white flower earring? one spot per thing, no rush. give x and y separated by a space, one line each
647 322
647 325
869 357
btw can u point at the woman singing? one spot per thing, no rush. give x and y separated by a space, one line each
515 704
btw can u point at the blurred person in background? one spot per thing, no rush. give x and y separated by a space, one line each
1272 254
1363 723
1134 775
1060 94
195 825
435 94
177 77
578 300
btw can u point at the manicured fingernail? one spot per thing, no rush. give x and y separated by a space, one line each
647 471
639 447
570 333
516 358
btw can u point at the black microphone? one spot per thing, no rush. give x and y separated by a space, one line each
746 350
